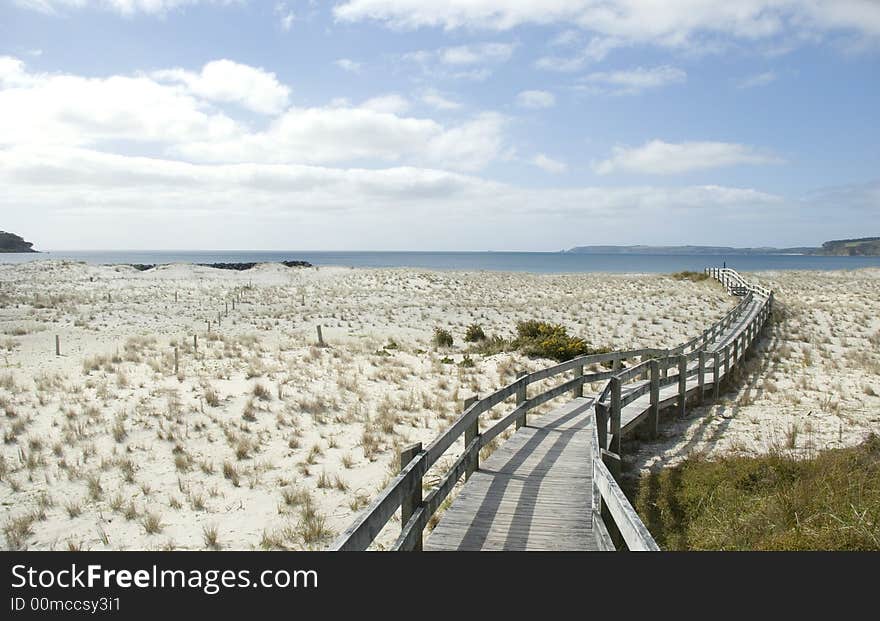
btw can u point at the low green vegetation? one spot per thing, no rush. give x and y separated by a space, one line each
774 502
537 339
442 337
691 276
474 333
545 340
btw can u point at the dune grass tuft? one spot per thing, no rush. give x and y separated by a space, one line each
773 502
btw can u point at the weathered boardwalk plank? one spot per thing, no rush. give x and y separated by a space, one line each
533 493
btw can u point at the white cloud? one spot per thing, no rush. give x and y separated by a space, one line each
663 158
350 134
123 7
226 81
286 16
72 110
391 103
464 62
91 199
632 81
640 21
477 54
548 164
346 64
596 50
173 112
535 99
759 79
436 100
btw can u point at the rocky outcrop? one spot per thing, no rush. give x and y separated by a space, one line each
10 242
239 267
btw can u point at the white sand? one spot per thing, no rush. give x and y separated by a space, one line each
106 436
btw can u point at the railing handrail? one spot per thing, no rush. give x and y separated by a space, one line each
408 482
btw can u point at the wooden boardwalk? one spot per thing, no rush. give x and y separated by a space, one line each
533 493
551 485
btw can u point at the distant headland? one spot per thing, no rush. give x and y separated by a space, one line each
10 242
863 247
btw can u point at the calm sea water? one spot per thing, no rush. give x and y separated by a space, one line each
539 262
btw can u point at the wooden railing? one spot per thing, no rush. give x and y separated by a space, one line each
405 491
693 359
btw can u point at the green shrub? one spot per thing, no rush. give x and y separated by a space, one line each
692 276
442 337
545 340
474 333
467 362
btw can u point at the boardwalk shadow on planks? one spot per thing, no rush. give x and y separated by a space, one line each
533 493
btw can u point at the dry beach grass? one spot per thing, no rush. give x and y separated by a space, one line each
264 440
261 439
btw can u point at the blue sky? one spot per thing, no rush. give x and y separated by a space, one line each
429 124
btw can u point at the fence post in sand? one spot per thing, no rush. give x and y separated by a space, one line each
521 398
654 412
176 361
196 343
175 296
614 445
320 337
57 345
470 433
226 306
701 376
682 384
412 501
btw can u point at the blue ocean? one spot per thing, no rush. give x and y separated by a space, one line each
536 262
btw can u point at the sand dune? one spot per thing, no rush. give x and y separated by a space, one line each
264 440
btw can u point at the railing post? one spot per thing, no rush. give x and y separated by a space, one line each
727 361
412 501
654 412
735 351
716 373
614 446
682 384
521 398
701 375
602 425
578 391
471 432
666 364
